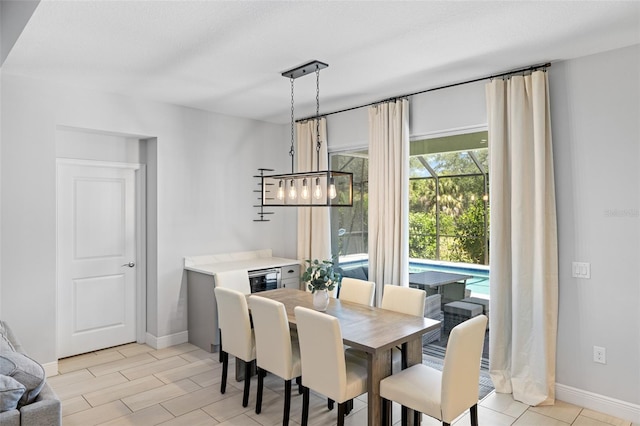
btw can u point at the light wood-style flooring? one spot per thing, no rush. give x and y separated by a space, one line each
137 385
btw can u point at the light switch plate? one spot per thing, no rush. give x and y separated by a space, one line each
581 270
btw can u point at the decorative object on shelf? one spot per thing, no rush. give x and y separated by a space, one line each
261 212
320 188
321 276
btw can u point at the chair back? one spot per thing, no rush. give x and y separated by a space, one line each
234 323
461 368
274 349
236 280
357 291
322 353
405 300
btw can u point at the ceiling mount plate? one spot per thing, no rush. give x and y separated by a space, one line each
305 69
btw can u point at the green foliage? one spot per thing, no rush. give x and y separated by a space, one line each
461 236
459 196
422 235
322 275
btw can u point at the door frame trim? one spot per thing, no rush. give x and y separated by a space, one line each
141 237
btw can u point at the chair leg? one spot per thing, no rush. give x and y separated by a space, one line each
403 353
386 412
260 388
220 340
287 402
247 383
473 413
305 406
416 417
330 403
299 383
225 369
405 416
342 411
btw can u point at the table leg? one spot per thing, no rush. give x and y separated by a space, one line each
379 367
413 351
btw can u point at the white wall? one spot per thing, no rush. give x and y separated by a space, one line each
596 135
205 163
455 108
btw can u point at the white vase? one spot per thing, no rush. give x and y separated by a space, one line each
321 300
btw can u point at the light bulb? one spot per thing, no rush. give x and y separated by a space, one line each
332 189
317 191
305 190
485 197
292 190
280 194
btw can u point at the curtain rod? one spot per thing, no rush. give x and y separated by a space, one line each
475 80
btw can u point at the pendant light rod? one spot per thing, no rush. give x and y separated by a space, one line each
318 141
305 69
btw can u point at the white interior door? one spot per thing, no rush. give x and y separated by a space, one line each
96 257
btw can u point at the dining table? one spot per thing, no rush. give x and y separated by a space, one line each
372 330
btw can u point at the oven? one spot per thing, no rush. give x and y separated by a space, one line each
265 279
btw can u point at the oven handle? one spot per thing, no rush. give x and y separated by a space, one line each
263 272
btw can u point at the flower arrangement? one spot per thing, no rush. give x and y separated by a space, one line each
322 275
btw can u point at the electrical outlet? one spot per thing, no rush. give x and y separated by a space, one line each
599 355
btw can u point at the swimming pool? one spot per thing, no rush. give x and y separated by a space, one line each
478 284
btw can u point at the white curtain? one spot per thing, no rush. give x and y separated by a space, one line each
523 241
314 231
389 194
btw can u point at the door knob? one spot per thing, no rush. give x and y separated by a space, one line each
130 264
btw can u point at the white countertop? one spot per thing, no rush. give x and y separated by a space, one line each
249 261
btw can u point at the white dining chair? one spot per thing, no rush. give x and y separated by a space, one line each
325 368
357 291
276 351
236 280
237 335
444 394
406 300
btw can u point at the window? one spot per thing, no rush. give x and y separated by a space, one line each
349 225
448 198
448 201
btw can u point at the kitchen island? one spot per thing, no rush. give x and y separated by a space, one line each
202 311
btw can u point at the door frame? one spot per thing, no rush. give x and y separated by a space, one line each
140 237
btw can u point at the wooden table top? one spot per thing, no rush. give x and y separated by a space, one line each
367 328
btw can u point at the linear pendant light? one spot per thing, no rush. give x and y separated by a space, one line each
319 188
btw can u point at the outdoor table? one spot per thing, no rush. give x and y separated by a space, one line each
437 280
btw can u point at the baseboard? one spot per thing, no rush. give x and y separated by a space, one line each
166 341
50 369
603 404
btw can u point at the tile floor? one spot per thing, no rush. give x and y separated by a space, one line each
138 385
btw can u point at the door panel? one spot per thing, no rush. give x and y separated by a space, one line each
96 242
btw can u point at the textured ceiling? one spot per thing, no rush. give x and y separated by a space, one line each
227 57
